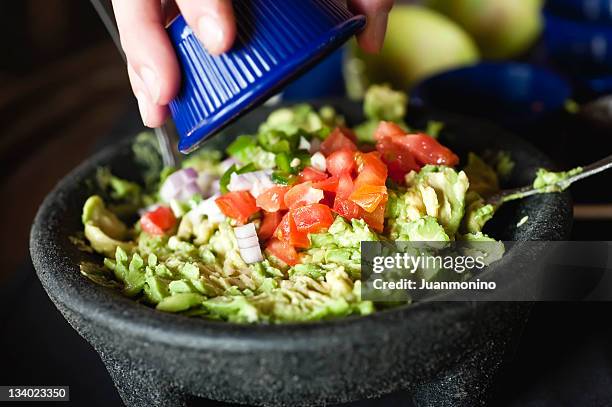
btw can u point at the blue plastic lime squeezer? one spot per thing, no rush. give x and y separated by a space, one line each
277 41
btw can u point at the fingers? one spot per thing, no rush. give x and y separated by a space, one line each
152 114
212 21
377 13
152 65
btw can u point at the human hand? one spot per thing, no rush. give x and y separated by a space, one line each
152 66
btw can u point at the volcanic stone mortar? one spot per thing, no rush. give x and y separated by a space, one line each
445 353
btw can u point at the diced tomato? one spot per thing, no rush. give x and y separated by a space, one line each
302 194
311 174
287 231
349 133
347 209
283 251
273 199
338 139
341 162
158 221
269 224
398 158
388 129
368 196
372 170
237 205
330 184
376 219
328 198
283 229
312 218
400 166
345 186
371 159
427 150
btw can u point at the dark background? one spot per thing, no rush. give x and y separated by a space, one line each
62 87
63 90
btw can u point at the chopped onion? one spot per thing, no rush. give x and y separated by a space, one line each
170 189
251 255
189 190
206 182
318 161
212 210
188 174
304 144
240 182
215 187
295 162
255 182
176 182
315 145
227 163
248 243
208 208
243 232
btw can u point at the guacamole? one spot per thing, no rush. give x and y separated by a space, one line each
269 230
548 181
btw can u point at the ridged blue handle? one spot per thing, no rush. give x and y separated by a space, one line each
277 41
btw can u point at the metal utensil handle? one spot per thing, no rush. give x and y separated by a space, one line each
104 10
528 190
592 169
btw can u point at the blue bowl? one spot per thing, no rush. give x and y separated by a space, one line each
581 48
511 94
599 11
324 81
601 85
276 42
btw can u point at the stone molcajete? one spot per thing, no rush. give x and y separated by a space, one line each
445 353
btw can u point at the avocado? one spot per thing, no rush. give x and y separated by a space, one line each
548 181
450 189
103 228
426 229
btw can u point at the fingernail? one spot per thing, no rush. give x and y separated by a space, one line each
211 34
143 106
149 78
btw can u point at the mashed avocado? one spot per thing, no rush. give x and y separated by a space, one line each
381 103
549 181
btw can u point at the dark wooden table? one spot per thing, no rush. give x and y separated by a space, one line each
49 123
